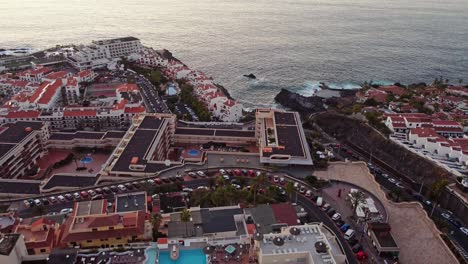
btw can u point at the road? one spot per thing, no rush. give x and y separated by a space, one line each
153 102
314 212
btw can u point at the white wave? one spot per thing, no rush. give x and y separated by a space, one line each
309 88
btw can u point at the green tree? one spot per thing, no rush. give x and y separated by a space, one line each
357 198
257 183
357 108
155 222
437 189
289 188
185 217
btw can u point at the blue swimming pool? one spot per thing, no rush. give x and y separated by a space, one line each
150 255
193 152
86 160
193 256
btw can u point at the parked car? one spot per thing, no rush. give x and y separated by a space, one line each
345 227
229 171
356 248
336 217
339 222
114 189
66 211
165 180
45 201
69 196
455 222
179 177
136 185
98 190
326 207
187 189
400 185
349 234
192 175
302 189
276 178
61 198
122 187
173 178
244 172
27 203
296 186
37 202
151 182
226 177
52 199
201 173
353 241
84 194
319 201
308 193
446 216
385 175
76 196
157 181
91 193
392 180
464 230
222 171
251 173
128 185
258 173
106 189
331 212
282 181
97 197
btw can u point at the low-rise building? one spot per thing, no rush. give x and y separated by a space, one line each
12 248
308 244
40 236
382 239
94 225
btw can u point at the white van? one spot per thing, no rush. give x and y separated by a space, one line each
349 234
319 201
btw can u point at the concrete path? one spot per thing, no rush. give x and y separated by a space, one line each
415 233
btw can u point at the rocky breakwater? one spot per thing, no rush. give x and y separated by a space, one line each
299 103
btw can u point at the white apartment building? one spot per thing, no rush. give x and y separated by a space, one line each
101 52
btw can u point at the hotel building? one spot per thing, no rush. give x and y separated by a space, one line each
21 146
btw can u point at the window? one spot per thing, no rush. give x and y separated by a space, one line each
89 241
94 229
43 250
111 228
118 238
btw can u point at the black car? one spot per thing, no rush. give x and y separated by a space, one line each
331 212
136 185
69 196
166 180
114 189
45 201
339 223
455 222
173 178
356 248
129 186
353 241
106 190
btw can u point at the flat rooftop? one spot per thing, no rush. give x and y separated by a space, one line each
15 132
7 243
130 202
90 207
19 186
219 220
59 180
215 132
303 244
115 40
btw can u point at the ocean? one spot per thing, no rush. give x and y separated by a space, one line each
292 44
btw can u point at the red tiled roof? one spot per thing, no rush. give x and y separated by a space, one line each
72 81
445 123
45 92
57 75
103 221
127 87
393 89
23 114
84 73
449 129
120 105
84 112
397 119
139 229
134 110
284 213
398 125
424 132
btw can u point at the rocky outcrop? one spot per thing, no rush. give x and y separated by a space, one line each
302 104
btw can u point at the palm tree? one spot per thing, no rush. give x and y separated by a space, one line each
185 217
289 188
357 198
256 184
156 222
